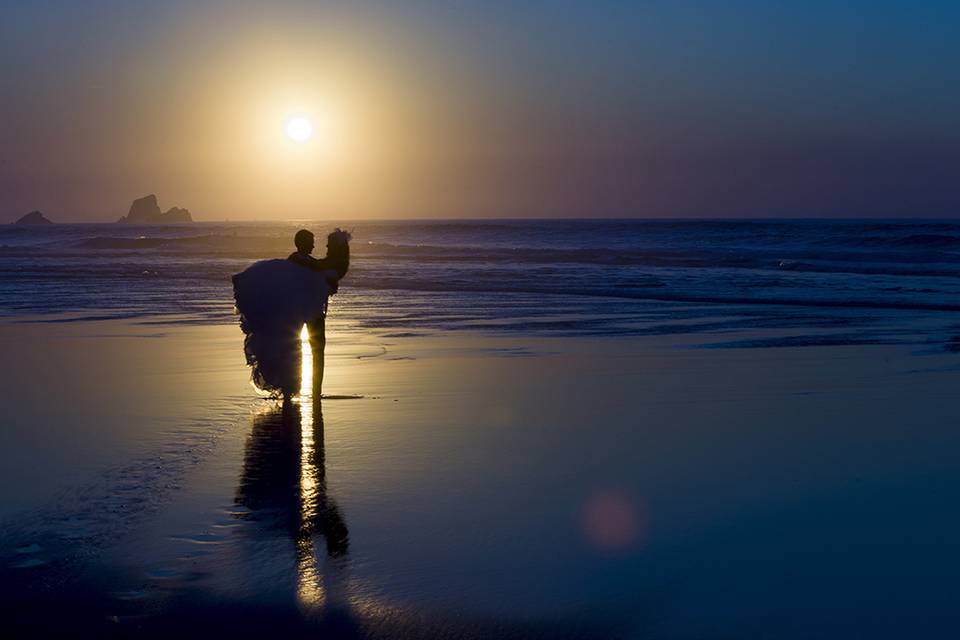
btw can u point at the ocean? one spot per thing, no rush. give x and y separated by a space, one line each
840 281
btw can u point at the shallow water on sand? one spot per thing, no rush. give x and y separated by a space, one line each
863 279
469 485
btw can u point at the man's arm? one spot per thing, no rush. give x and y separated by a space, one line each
340 263
315 264
307 261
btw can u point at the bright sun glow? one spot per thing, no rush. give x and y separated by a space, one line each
299 129
306 363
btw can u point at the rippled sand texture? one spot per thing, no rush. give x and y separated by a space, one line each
477 485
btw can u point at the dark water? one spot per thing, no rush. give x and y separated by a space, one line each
574 277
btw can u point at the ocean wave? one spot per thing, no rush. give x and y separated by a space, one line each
208 243
911 241
834 266
658 292
202 258
924 240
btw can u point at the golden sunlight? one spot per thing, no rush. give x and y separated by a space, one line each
306 363
299 129
308 137
310 589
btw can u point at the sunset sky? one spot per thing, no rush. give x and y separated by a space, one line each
481 109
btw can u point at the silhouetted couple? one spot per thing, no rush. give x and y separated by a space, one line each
275 298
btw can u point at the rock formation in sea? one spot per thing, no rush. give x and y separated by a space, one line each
145 210
176 214
34 217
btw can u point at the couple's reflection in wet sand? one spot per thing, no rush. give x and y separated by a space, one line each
284 485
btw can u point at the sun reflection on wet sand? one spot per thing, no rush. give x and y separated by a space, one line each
306 372
284 485
318 514
310 589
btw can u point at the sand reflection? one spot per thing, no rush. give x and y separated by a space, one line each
283 483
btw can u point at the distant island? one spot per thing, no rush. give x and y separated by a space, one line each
145 210
34 217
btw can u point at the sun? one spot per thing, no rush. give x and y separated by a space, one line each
299 129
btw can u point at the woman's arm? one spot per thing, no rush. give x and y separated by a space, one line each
338 252
338 259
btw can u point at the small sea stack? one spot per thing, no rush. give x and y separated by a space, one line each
34 217
146 210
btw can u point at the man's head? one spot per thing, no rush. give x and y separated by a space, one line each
304 241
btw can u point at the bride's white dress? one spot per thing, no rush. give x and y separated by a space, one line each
275 298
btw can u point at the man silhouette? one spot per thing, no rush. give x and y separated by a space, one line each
337 260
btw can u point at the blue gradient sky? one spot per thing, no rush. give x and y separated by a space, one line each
738 108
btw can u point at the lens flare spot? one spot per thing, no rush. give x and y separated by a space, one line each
612 522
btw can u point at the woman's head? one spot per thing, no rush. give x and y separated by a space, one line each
338 250
338 238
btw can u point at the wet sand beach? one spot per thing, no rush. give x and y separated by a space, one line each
470 484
